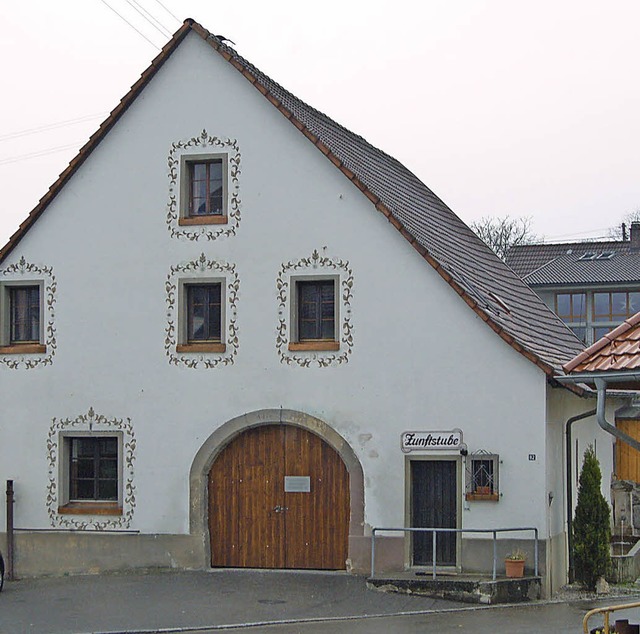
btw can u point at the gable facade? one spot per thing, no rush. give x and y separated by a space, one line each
120 384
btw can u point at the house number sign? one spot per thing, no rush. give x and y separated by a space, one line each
431 440
297 484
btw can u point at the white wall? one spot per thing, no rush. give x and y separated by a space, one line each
421 358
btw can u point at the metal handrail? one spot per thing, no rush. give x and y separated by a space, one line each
606 610
435 531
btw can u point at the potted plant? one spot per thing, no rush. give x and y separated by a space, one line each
514 563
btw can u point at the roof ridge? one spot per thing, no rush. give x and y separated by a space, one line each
261 74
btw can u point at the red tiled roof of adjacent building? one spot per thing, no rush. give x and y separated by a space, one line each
618 350
489 287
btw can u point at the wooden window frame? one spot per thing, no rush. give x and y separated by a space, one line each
7 346
313 345
610 318
489 489
184 344
69 506
186 216
572 317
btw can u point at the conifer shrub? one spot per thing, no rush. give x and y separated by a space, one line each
591 526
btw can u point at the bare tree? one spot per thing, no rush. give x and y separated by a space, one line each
617 233
503 233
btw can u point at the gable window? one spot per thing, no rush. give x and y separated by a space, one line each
21 318
204 190
314 315
91 475
24 306
482 476
202 327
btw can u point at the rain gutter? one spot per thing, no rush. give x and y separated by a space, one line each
601 381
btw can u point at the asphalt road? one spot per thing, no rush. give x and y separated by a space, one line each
261 601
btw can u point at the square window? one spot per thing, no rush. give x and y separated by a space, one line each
203 191
93 468
91 475
202 316
314 314
21 316
482 476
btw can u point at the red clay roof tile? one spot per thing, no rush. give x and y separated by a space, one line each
618 350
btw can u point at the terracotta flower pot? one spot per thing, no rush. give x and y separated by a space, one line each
514 568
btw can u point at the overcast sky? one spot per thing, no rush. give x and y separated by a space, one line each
502 107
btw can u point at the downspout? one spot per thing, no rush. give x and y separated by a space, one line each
569 443
601 386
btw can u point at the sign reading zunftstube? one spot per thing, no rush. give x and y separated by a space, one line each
431 440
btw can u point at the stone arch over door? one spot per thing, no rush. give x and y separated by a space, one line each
221 437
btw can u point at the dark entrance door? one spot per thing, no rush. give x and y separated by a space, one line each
279 498
434 505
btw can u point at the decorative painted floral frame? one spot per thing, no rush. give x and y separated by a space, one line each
201 268
191 148
317 264
22 270
91 422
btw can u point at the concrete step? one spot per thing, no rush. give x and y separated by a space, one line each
466 588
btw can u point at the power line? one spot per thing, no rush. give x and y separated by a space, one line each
131 25
151 20
50 126
579 235
53 150
169 12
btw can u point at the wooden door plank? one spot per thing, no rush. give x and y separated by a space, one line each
223 521
627 458
317 523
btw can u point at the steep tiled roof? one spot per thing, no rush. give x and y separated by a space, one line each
617 350
550 264
483 281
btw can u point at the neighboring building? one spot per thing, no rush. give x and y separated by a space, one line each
613 362
591 286
222 320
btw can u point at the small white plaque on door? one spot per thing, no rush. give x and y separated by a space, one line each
297 484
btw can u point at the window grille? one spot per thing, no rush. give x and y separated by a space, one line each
482 476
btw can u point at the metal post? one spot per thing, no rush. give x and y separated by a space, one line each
373 552
10 576
433 552
535 550
495 554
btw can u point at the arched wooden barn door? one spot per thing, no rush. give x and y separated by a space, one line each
279 498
